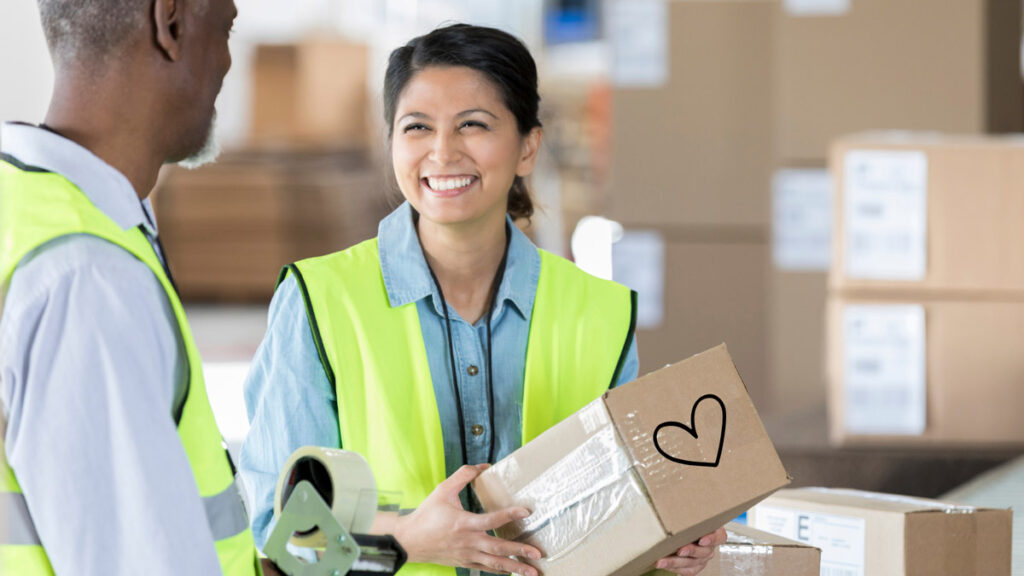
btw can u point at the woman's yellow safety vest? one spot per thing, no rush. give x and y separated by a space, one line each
374 355
36 207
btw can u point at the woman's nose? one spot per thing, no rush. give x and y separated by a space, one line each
445 149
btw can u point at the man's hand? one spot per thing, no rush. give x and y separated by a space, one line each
692 558
441 532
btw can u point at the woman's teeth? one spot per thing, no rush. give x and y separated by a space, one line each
442 184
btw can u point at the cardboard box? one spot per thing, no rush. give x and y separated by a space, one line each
795 341
639 472
925 372
752 552
868 534
313 91
920 212
698 287
693 146
845 67
801 256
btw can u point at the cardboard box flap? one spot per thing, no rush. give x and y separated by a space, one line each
951 543
716 444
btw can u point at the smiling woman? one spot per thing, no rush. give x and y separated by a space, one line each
448 341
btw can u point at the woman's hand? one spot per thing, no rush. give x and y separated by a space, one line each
441 532
692 558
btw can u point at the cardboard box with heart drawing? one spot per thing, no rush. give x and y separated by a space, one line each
639 472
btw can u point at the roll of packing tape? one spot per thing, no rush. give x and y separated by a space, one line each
344 481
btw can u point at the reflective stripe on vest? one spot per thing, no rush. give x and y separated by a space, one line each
37 207
580 331
225 513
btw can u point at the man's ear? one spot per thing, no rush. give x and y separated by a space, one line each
167 21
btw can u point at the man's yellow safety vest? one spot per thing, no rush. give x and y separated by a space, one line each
374 355
36 207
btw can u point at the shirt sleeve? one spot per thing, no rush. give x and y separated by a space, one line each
631 368
91 362
290 403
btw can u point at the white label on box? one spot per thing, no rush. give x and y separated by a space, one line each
884 369
841 538
817 7
802 219
885 210
638 32
638 261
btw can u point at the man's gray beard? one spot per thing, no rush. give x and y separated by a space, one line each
208 153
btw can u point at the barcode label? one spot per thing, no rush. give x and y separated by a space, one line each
885 391
840 538
885 209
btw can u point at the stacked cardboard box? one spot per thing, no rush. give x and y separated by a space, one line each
623 483
866 533
312 92
690 139
926 295
853 65
229 227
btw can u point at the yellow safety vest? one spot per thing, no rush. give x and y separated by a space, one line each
374 355
36 207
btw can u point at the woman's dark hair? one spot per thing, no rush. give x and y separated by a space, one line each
499 56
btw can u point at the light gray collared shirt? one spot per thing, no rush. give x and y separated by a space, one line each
91 368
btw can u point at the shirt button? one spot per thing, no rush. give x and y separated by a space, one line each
472 370
477 429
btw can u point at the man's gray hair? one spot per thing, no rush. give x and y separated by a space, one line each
93 29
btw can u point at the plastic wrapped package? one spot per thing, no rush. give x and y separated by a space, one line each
591 494
639 472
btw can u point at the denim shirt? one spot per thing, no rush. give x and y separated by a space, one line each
291 403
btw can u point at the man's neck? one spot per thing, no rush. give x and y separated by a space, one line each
118 130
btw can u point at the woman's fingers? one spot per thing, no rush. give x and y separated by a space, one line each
458 481
498 547
503 565
498 518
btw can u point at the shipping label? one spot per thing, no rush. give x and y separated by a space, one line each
885 209
638 33
802 220
817 7
884 352
638 261
840 538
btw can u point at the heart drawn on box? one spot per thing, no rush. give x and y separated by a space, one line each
692 431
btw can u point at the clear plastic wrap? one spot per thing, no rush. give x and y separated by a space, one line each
743 555
589 495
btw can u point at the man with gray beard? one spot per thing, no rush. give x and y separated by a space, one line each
111 462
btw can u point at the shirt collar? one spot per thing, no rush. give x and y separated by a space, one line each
407 276
101 183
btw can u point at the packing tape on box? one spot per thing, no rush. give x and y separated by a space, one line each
341 477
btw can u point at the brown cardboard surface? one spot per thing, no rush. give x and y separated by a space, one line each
715 291
698 149
974 371
975 242
620 522
896 64
796 340
908 536
706 393
752 552
300 96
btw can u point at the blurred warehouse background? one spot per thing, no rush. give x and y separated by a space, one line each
821 184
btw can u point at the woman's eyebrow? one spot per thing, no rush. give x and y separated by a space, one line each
475 110
415 115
